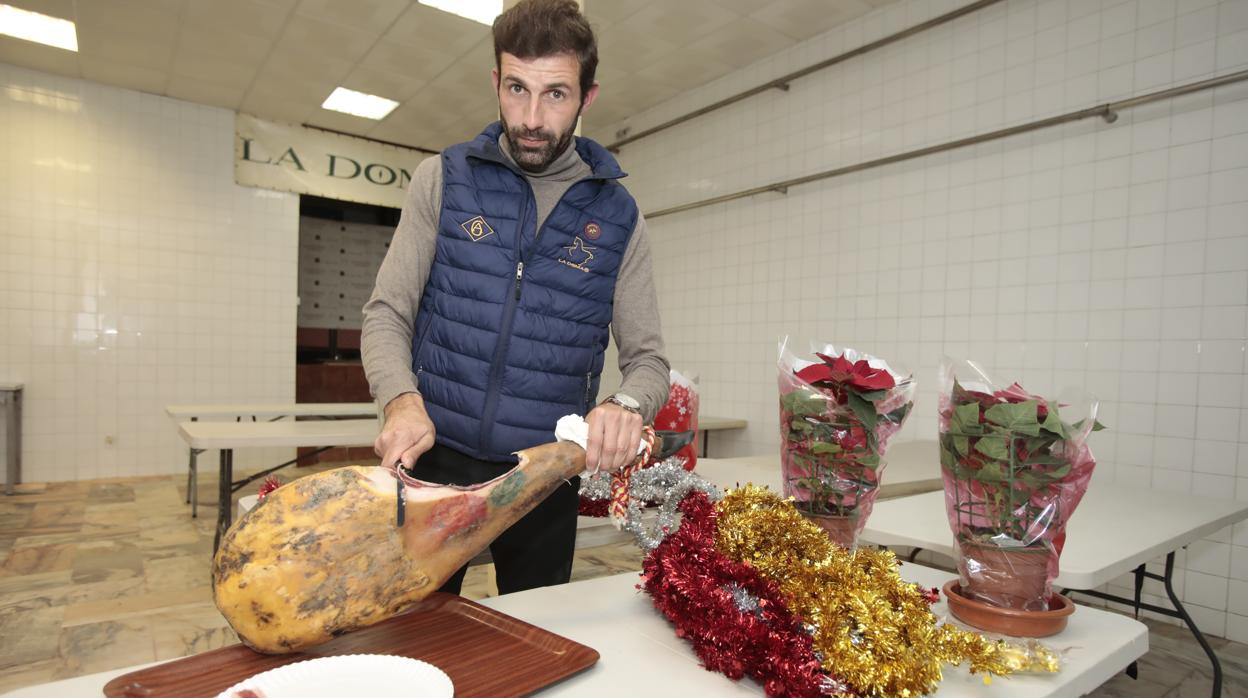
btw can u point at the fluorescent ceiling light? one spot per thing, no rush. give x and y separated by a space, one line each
483 11
359 104
42 29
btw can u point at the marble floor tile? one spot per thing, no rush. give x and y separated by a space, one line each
107 560
85 649
188 630
38 558
28 634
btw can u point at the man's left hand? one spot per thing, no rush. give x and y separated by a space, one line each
614 434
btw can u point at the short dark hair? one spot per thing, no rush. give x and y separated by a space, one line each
536 28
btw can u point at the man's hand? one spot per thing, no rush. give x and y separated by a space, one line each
614 434
408 431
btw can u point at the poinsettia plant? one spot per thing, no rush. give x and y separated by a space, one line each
1015 469
837 415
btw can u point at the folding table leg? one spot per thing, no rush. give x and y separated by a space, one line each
224 496
192 489
1204 644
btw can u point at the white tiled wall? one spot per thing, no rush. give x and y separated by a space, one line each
133 273
1113 256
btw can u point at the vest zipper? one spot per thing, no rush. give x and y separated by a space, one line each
589 384
494 388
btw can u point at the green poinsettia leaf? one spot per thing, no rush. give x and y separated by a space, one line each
800 425
991 472
965 419
993 448
825 447
1019 417
962 445
871 461
803 403
947 458
873 395
1054 425
864 410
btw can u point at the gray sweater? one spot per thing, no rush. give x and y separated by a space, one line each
390 315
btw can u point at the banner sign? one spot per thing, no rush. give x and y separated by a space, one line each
305 160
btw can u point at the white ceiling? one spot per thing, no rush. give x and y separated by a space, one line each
279 59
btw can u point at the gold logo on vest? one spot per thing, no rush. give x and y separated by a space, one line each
580 255
477 228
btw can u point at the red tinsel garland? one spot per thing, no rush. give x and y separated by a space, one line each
687 579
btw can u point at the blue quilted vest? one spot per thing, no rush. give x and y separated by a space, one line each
514 321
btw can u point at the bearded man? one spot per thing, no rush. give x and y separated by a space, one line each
516 255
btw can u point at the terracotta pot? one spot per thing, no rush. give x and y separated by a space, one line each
1009 621
1006 577
842 530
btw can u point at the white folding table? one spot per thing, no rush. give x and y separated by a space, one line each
640 652
1115 530
708 424
227 436
271 411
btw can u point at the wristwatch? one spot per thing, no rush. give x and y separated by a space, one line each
626 401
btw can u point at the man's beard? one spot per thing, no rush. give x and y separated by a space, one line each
537 159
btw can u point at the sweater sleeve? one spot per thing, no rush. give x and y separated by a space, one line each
637 329
390 314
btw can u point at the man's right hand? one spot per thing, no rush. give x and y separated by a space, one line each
408 431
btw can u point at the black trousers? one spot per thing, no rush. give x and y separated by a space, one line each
537 550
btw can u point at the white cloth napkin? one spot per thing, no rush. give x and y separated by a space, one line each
574 428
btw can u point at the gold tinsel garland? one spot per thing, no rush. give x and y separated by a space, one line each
873 630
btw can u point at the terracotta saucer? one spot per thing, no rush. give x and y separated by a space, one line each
1009 621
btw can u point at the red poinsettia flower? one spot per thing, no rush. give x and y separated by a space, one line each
855 374
853 439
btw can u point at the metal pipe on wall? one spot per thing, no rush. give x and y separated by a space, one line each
1108 111
782 82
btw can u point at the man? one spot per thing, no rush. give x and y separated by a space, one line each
515 255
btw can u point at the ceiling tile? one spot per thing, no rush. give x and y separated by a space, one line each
421 63
676 23
604 13
423 25
374 16
382 83
800 20
63 9
31 55
127 75
275 107
210 93
742 42
218 70
245 18
321 45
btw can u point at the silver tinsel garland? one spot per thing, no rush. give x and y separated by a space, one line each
668 483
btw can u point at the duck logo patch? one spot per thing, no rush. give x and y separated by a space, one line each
477 228
579 255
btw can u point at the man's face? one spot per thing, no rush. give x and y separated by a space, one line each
540 100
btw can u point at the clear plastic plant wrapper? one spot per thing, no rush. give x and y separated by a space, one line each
1015 466
837 415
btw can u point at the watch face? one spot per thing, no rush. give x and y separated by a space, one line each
627 401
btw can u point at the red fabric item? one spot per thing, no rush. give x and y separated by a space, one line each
680 413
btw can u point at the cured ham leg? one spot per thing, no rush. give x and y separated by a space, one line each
323 555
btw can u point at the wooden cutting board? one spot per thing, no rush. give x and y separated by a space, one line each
486 653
